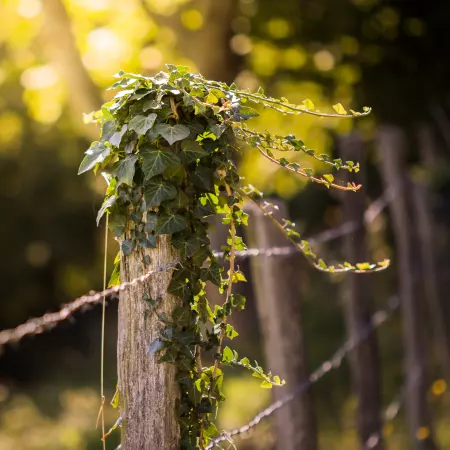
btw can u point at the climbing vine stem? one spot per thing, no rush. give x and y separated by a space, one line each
167 149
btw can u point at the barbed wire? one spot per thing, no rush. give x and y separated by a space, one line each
390 413
371 213
332 363
49 320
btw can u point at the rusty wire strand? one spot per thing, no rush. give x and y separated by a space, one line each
49 320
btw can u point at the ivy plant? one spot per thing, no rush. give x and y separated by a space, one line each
167 150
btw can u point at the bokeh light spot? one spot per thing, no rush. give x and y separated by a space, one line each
324 60
241 44
38 253
192 19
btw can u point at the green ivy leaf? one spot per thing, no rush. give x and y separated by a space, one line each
141 124
179 285
191 151
238 301
230 332
96 153
108 129
245 113
203 178
157 190
212 273
171 133
170 223
127 247
156 160
116 138
115 276
227 355
150 225
117 224
125 170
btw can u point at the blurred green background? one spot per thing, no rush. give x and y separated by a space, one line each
56 59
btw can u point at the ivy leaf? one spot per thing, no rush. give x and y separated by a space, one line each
339 109
158 190
191 151
227 355
156 160
108 129
203 178
181 316
116 138
170 223
155 346
230 332
212 273
149 242
125 170
245 113
308 104
179 285
141 124
152 104
238 301
96 153
127 247
106 204
150 225
115 276
117 224
188 246
171 133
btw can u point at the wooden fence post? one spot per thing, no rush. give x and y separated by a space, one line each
278 304
364 359
423 201
392 150
148 391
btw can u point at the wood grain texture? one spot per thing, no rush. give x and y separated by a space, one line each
148 391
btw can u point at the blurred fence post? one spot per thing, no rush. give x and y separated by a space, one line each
392 151
427 231
364 360
148 391
279 309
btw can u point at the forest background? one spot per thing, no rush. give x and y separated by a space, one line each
56 59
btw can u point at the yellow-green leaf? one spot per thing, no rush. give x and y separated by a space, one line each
309 104
339 108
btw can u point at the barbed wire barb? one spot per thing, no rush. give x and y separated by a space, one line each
49 320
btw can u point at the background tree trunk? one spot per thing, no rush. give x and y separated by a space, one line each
429 233
60 43
279 310
364 358
392 149
148 390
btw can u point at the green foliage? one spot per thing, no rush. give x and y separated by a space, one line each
167 149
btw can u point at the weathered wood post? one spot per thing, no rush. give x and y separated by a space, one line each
279 310
427 230
148 390
364 359
392 149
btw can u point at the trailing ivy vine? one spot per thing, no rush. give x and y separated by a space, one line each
167 151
